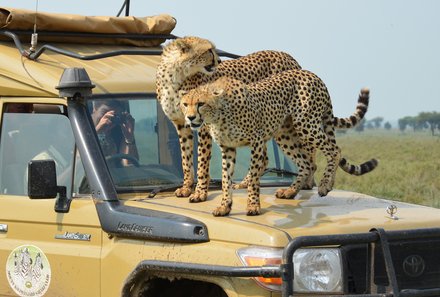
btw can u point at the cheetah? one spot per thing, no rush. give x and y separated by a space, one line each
192 61
238 115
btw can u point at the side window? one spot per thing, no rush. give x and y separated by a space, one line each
38 133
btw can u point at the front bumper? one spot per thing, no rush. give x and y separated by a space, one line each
380 245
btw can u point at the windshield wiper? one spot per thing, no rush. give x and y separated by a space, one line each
155 191
279 171
163 189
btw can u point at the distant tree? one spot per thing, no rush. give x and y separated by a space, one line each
369 125
424 120
387 126
377 122
430 120
414 123
403 122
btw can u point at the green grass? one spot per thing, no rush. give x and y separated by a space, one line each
409 165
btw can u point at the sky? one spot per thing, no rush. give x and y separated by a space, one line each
389 46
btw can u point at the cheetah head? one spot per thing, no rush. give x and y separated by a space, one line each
192 55
205 103
196 106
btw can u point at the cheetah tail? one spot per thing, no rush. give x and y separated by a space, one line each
358 169
358 115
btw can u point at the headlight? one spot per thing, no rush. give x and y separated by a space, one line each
318 270
315 269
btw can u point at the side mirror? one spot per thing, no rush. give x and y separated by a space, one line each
42 179
42 184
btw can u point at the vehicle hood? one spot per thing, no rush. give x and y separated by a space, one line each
340 212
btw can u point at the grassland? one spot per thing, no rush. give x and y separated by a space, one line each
409 168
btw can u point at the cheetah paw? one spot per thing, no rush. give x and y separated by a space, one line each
288 193
221 211
183 191
324 188
253 210
198 196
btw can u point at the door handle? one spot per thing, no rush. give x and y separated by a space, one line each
3 228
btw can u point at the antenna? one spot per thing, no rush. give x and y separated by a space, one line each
125 5
34 38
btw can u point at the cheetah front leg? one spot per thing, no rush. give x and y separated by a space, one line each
204 156
228 165
256 169
186 148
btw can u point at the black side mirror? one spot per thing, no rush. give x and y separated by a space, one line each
42 179
42 184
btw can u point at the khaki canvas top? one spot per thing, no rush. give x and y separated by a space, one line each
20 76
24 20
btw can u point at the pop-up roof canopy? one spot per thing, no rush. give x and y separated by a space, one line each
23 21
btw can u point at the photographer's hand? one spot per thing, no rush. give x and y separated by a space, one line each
105 123
127 127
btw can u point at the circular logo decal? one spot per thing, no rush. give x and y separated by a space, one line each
28 271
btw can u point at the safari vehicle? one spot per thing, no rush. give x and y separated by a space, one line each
77 222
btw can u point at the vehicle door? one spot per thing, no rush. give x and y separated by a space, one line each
44 252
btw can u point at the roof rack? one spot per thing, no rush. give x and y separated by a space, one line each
147 52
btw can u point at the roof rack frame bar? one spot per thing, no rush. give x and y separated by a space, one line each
150 52
94 35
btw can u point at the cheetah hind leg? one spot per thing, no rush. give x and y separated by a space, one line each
304 171
301 155
246 181
310 180
333 155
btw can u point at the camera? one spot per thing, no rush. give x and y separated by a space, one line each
118 118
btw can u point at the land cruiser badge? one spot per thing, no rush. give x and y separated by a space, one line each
28 271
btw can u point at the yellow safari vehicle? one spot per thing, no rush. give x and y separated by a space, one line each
84 214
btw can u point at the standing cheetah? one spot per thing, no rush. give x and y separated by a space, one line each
248 115
190 62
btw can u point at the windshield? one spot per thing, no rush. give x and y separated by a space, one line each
142 150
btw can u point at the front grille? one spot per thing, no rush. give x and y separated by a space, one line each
416 264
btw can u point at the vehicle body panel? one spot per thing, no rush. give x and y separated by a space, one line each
100 266
29 222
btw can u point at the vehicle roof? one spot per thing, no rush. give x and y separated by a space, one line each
22 76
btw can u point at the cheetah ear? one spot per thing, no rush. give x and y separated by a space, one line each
218 92
182 45
182 93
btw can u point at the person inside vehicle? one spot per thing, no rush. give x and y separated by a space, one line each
19 107
115 128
